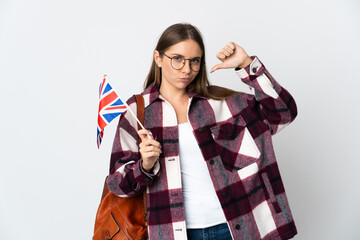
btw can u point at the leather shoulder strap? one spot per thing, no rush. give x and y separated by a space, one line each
140 108
140 116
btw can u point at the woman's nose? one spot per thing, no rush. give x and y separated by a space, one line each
187 66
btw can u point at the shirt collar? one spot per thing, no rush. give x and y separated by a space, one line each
154 93
194 94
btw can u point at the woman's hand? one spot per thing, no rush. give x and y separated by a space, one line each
149 149
232 56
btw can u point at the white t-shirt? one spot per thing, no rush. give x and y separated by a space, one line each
202 207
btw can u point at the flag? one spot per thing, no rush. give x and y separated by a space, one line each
110 106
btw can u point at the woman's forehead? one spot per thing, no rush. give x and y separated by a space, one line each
187 48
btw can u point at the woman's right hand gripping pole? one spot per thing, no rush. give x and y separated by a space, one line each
150 150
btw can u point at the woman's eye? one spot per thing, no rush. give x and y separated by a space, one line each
179 59
195 60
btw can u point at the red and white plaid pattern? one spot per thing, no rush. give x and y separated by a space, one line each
234 136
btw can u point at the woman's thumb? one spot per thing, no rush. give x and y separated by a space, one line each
216 67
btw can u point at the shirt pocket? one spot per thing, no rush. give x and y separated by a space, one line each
234 144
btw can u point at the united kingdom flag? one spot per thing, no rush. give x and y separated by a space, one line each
110 106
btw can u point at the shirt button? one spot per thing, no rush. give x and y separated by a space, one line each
147 179
237 226
224 194
200 129
212 162
254 69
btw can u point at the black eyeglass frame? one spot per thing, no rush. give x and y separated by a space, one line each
171 58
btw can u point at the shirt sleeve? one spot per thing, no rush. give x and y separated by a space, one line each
275 105
126 177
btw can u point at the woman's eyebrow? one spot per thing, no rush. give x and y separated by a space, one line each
177 54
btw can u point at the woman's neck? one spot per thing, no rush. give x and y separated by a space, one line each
179 101
174 96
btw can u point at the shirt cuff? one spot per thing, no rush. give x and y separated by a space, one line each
144 178
154 171
254 68
256 77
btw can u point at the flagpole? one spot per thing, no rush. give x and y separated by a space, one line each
127 106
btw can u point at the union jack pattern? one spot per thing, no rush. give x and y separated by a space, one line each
110 106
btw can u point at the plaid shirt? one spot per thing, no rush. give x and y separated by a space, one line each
234 136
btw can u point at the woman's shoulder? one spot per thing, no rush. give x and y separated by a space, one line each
145 95
131 101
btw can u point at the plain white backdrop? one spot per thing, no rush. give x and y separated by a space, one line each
53 55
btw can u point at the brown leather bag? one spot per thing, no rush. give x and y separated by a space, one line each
122 218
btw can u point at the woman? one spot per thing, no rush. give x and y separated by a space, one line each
206 159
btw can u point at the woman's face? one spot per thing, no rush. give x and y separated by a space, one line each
173 79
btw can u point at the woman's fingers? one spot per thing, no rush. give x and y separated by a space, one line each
148 145
230 48
150 156
231 45
148 141
221 56
226 51
150 148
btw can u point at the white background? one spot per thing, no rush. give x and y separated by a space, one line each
53 55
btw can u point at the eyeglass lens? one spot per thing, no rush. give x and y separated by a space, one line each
179 62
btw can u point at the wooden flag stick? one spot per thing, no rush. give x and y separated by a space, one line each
127 106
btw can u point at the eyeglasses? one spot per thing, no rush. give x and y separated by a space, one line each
178 62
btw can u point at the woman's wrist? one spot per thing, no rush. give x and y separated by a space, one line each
244 64
147 168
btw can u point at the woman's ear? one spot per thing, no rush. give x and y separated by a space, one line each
157 58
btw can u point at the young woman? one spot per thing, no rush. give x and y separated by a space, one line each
206 159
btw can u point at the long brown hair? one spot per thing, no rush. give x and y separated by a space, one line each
177 33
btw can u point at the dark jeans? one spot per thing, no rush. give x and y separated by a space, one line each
218 232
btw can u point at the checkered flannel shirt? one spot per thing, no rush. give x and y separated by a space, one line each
234 136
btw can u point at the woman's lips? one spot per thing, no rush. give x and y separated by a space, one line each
184 79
